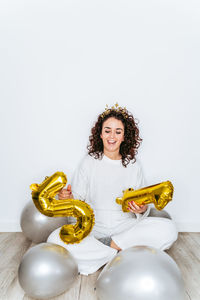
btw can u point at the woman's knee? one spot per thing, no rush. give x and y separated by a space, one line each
169 233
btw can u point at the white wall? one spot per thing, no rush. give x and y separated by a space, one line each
62 61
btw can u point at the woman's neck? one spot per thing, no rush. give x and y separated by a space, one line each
113 155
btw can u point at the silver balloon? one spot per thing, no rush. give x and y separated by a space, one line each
47 270
140 273
159 213
36 226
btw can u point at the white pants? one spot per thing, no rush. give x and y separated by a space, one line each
91 254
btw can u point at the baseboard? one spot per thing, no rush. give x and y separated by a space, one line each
7 226
10 226
188 226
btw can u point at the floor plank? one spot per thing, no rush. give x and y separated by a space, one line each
12 248
88 290
15 291
185 252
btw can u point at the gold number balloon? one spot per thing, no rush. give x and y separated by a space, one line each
43 196
158 194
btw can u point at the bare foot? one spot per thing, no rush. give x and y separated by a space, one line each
113 245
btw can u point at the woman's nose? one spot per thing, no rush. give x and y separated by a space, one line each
112 134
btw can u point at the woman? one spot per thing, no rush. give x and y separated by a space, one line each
109 168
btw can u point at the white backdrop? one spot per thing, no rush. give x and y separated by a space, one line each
62 61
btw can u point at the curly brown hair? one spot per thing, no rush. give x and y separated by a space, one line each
128 148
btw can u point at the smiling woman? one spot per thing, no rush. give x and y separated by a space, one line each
112 136
109 168
115 125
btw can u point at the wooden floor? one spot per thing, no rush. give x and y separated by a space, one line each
186 253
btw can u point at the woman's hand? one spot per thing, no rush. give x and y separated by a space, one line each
137 209
66 193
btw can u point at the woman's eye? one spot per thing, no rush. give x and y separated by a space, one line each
109 132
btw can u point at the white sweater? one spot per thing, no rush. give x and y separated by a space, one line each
99 182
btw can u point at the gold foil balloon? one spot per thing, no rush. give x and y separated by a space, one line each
158 194
43 196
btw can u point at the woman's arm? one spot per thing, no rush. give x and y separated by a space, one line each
80 180
79 184
140 183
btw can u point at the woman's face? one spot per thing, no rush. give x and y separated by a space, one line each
112 134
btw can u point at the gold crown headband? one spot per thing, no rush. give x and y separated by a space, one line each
116 108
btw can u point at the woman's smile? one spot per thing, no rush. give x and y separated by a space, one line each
111 142
112 135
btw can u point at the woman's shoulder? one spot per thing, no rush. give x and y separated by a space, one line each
88 158
86 162
135 165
